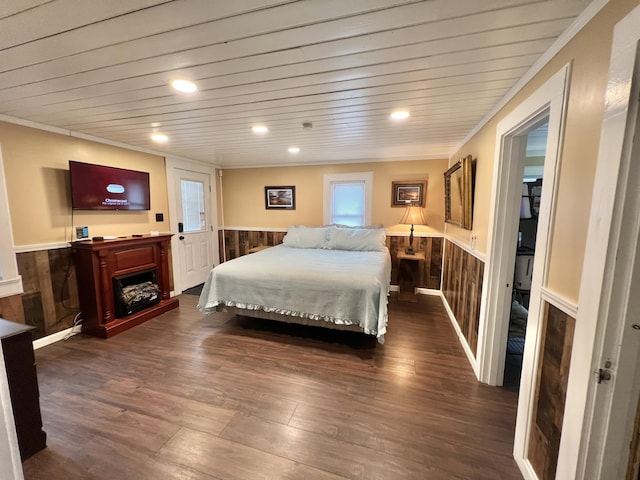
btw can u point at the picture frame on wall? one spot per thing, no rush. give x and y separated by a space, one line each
408 192
280 198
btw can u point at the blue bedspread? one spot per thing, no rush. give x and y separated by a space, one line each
339 286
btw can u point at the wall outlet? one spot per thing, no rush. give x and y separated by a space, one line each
473 242
159 217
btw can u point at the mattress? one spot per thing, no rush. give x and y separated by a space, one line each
326 286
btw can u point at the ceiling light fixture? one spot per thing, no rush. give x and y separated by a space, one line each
261 129
400 115
159 137
185 86
294 149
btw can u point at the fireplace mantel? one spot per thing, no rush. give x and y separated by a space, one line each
98 262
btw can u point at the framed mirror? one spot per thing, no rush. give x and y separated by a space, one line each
458 193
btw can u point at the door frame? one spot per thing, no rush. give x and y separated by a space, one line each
549 100
605 282
171 165
506 192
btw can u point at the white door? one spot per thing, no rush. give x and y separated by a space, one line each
609 299
195 228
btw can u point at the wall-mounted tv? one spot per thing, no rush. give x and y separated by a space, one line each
97 187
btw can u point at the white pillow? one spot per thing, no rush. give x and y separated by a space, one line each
306 237
357 239
339 225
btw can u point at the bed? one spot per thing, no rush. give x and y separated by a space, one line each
334 277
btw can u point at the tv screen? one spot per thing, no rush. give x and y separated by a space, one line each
96 187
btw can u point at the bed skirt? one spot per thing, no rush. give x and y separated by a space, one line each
280 317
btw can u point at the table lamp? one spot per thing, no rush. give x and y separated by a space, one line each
412 216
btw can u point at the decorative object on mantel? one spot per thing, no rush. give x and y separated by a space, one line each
412 216
414 192
458 193
283 198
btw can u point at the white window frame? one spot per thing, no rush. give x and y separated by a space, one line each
366 177
10 281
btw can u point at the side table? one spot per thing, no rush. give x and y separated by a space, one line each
409 275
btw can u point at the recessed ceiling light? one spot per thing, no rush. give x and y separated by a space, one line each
400 115
159 137
294 149
259 129
184 86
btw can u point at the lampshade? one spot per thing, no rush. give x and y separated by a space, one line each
413 216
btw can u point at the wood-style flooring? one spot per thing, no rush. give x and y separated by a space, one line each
193 397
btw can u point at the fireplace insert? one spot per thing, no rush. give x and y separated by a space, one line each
135 291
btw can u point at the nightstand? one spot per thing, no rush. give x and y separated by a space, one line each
409 275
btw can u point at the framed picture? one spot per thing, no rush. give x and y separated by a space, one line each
283 198
409 192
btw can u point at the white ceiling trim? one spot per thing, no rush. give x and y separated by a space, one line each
591 11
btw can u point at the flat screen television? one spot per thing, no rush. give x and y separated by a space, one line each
97 187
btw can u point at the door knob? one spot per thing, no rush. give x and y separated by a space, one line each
181 237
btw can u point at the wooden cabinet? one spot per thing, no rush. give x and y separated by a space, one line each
17 349
102 264
409 275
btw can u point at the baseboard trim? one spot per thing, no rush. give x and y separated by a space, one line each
429 291
54 337
419 290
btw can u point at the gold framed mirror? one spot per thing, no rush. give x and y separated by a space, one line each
458 193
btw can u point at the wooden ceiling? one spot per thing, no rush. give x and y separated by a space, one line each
104 68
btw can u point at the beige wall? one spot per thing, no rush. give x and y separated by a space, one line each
36 165
589 53
243 193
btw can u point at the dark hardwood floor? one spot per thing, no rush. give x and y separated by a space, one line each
187 396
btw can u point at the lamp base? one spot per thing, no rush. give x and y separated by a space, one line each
410 251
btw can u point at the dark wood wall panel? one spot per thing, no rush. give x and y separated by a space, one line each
238 243
462 288
551 389
50 298
431 267
11 308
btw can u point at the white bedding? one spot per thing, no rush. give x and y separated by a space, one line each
338 286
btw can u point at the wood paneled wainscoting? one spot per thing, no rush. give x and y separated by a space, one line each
551 389
432 265
236 243
462 288
239 242
50 299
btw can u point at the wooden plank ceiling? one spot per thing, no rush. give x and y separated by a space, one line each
104 68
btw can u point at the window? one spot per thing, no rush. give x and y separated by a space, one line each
193 214
10 281
347 198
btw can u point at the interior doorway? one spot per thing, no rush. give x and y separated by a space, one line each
547 103
535 138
